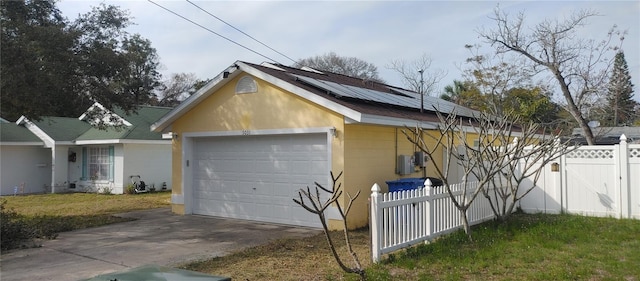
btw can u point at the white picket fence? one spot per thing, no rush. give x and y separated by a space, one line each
592 180
403 218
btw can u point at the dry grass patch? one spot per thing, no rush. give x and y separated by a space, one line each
46 215
289 259
527 247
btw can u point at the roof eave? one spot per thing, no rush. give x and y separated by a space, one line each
392 121
22 143
121 141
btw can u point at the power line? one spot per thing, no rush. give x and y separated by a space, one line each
263 44
207 29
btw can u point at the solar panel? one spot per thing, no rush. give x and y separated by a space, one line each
331 87
404 98
440 104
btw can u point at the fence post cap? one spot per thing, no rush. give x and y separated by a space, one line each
623 138
375 188
428 183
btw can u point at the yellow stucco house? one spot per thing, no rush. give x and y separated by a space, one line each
244 144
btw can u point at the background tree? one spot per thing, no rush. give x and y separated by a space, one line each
621 107
177 88
350 66
578 65
453 92
417 75
52 67
118 69
38 68
495 76
497 84
465 93
531 105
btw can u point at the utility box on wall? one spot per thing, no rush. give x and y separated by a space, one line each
405 164
421 158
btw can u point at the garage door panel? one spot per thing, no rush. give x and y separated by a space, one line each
256 177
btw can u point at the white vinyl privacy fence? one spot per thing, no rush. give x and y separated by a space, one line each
404 218
600 180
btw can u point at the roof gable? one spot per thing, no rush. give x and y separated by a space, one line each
356 99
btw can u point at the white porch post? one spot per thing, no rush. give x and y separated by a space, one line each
53 169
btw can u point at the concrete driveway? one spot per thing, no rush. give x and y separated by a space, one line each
157 237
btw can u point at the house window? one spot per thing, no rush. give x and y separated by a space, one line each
99 163
246 85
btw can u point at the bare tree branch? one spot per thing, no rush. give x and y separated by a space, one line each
579 66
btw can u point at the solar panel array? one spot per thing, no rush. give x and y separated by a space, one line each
404 98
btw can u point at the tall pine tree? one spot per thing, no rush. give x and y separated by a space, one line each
620 94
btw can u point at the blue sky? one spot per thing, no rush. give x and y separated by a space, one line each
375 31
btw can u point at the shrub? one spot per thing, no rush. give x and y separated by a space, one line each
106 190
15 229
130 189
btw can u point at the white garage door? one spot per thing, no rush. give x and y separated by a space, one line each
256 177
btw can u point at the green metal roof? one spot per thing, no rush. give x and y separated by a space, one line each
10 132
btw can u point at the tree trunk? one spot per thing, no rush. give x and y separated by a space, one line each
465 223
573 108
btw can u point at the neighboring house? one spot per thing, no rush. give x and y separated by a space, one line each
25 164
80 157
244 144
607 135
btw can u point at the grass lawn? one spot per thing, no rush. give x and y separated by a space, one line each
80 204
528 247
45 215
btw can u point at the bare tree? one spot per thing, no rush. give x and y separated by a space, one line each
494 75
578 65
515 155
350 66
496 158
313 202
417 75
459 153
